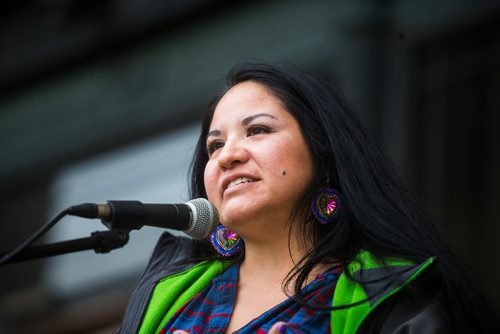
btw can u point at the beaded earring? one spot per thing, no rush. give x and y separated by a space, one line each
327 205
226 242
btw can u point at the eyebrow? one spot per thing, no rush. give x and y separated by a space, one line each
213 133
249 119
244 122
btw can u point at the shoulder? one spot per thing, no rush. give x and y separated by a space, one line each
170 251
402 296
170 256
418 308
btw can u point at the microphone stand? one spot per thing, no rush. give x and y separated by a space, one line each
99 241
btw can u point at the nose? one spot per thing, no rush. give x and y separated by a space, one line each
232 154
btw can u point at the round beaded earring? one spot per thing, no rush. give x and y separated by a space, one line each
226 242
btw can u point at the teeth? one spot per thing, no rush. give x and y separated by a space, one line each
238 181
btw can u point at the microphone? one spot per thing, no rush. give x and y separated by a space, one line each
197 218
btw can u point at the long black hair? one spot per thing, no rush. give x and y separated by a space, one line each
379 213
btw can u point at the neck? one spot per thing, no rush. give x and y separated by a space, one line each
270 261
277 255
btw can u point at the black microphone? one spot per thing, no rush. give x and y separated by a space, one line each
197 218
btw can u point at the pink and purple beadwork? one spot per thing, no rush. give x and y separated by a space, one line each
226 242
326 206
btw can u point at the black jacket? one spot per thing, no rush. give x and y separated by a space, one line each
403 297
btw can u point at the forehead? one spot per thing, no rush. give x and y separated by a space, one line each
246 98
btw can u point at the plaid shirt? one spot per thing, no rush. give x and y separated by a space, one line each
210 310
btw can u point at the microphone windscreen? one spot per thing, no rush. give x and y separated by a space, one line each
205 218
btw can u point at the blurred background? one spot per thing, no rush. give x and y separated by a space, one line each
101 100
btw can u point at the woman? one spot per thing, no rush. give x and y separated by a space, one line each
317 232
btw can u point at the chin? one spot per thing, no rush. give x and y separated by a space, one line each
233 219
230 221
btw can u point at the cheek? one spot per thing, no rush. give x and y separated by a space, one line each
297 166
210 181
293 154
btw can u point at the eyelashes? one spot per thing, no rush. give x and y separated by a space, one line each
213 146
253 130
257 129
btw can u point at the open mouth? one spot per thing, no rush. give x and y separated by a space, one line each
238 181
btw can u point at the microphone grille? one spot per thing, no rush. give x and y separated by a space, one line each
205 218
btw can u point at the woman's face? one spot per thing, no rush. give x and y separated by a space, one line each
259 164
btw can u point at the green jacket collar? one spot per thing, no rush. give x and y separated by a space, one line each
374 281
172 292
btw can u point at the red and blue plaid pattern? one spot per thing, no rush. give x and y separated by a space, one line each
210 310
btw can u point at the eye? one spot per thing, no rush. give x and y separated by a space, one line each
257 129
214 146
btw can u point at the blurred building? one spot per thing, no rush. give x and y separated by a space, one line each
102 100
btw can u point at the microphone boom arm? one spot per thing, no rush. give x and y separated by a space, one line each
99 241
